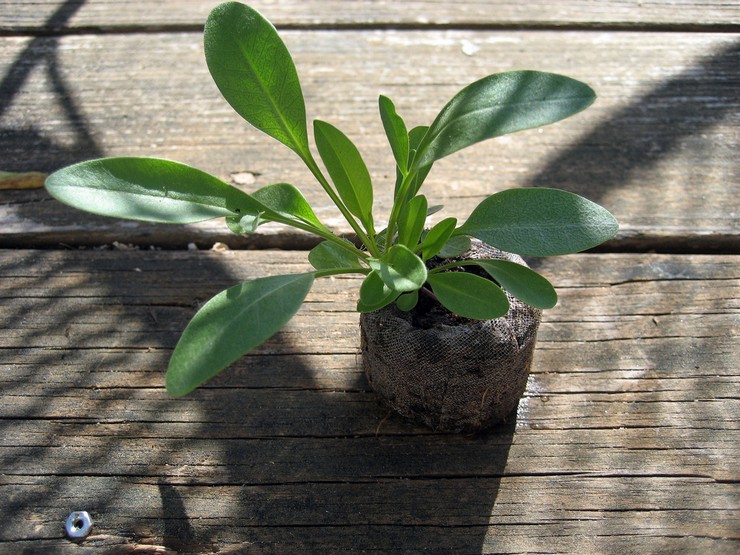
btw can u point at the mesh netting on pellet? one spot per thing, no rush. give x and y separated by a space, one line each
455 375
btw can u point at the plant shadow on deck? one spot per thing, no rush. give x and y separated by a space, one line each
267 453
624 148
691 102
270 453
27 148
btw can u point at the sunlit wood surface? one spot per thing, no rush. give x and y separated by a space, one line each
626 440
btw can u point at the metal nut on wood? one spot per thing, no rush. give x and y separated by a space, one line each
78 525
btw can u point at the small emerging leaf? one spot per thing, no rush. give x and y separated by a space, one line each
254 71
242 225
330 256
540 222
347 170
148 189
411 221
374 294
407 301
437 237
232 323
287 200
469 296
400 269
524 283
395 130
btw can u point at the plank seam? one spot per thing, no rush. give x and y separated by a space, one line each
720 28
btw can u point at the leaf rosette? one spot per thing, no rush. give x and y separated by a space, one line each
255 73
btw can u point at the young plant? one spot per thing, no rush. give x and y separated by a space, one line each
256 75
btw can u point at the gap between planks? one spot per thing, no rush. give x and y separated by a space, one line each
33 31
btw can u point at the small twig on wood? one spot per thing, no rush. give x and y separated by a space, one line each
24 180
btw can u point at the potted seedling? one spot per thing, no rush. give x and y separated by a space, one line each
449 313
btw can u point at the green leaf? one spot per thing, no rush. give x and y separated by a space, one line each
329 256
407 301
455 246
374 294
469 296
411 221
242 225
522 282
395 130
255 73
347 170
499 104
287 200
400 269
416 135
232 323
540 222
399 181
148 189
437 237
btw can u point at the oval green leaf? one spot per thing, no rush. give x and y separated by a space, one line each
411 221
540 222
416 135
148 189
499 104
330 256
469 296
400 269
374 294
254 71
524 283
243 225
232 323
288 201
347 170
395 130
407 301
437 237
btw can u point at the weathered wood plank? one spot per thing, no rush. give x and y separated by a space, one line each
627 437
658 148
100 14
410 516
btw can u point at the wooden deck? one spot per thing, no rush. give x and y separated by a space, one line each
627 438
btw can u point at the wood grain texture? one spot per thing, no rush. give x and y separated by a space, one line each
658 148
626 440
106 14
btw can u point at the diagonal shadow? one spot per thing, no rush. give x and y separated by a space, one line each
280 451
696 99
266 454
98 434
38 152
622 149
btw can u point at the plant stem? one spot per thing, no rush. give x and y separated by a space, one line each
429 293
398 202
328 235
366 239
